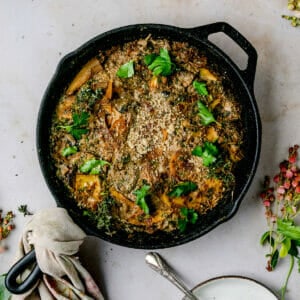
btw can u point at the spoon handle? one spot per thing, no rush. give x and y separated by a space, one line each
158 264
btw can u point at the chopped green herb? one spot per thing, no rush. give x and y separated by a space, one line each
102 216
78 128
200 88
93 166
208 153
126 70
160 64
183 188
205 115
188 216
141 195
69 151
87 94
24 210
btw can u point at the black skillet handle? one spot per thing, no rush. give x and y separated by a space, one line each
11 277
249 73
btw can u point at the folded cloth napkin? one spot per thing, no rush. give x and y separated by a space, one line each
56 240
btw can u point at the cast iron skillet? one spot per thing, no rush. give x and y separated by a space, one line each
239 81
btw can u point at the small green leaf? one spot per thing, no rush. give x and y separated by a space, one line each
208 153
200 88
182 224
160 64
193 217
141 195
126 70
205 115
80 119
78 128
274 259
183 188
69 151
93 166
188 216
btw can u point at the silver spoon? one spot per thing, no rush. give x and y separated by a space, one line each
158 264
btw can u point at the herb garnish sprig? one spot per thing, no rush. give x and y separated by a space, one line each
206 116
79 125
126 70
93 166
183 189
188 215
69 151
24 210
160 64
282 206
208 152
141 198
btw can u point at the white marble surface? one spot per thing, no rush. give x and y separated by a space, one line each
35 35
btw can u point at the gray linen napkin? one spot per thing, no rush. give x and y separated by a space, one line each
56 240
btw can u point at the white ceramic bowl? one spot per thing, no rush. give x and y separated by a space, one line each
232 288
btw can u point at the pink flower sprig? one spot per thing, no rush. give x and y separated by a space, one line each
282 204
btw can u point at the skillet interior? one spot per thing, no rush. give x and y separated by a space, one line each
219 62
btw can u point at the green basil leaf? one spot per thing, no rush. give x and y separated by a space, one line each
205 115
182 224
69 151
208 159
78 132
126 70
208 153
211 148
161 64
183 189
141 195
200 88
188 216
184 211
93 166
77 129
80 119
193 217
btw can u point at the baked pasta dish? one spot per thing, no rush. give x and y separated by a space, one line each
146 137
